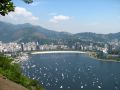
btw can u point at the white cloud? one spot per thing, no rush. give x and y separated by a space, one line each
20 15
59 18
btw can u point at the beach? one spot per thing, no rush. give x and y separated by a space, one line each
47 52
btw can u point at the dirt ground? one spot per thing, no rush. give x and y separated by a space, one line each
6 84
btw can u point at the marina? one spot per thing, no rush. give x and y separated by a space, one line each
23 57
72 71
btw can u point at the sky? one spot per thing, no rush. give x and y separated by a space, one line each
74 16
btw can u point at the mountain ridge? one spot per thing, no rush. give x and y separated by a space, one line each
27 32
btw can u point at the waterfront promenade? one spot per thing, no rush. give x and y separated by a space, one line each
47 52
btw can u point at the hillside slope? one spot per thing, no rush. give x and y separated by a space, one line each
6 84
27 32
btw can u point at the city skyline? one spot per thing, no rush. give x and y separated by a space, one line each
101 16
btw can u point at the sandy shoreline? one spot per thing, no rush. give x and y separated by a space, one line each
47 52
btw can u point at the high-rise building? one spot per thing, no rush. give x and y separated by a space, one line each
37 46
22 46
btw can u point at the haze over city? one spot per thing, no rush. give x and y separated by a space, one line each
74 16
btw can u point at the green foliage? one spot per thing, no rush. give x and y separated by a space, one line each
27 32
118 59
28 1
115 52
112 57
101 55
6 6
13 72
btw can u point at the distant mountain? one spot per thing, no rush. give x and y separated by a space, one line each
27 32
88 36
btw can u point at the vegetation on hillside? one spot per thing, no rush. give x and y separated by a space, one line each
13 73
100 55
27 32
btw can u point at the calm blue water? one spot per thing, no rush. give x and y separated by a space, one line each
72 72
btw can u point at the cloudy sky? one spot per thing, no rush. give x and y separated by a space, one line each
99 16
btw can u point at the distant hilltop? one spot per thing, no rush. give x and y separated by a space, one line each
27 32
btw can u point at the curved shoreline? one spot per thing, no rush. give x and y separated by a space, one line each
104 60
79 52
47 52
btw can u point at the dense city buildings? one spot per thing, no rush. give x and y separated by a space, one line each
35 46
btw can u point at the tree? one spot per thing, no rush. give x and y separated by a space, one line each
7 6
28 1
